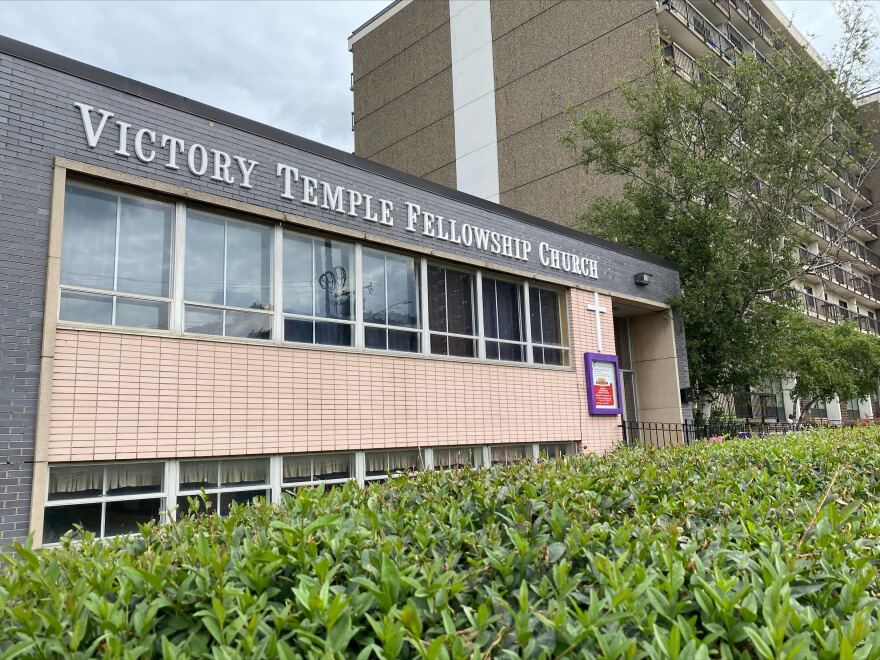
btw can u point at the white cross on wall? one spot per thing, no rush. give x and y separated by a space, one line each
596 307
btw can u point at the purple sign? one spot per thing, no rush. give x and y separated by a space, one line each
603 384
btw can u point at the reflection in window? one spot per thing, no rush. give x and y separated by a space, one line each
503 320
451 312
318 281
390 295
106 500
228 266
241 480
115 259
549 343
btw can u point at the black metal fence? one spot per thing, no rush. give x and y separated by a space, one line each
658 434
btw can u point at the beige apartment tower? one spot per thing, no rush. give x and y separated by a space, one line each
473 94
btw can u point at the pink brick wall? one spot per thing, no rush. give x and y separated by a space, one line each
124 396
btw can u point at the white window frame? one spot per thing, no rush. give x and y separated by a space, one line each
275 486
220 489
523 312
474 449
103 499
353 287
418 329
178 304
475 313
420 458
114 294
293 485
193 304
564 347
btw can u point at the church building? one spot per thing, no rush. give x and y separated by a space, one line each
191 300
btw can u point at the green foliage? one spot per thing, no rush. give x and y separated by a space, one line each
751 548
715 173
828 360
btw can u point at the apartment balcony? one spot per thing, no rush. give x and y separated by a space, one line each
837 278
831 313
742 43
849 248
839 208
749 18
680 61
700 30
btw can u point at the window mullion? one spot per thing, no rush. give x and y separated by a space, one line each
172 483
177 268
426 321
276 476
481 343
359 296
385 280
103 502
277 285
116 259
527 321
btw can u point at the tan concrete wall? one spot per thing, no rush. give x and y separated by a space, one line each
403 92
550 56
656 367
126 396
869 115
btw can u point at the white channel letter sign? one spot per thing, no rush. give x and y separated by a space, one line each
150 146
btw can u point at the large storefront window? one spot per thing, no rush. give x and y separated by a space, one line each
451 312
229 271
106 500
318 284
391 309
115 259
224 482
503 320
233 277
549 345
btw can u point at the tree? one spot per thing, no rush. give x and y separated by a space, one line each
720 172
827 361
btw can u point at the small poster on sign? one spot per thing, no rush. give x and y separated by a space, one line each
603 384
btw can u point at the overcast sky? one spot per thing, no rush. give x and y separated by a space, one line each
281 63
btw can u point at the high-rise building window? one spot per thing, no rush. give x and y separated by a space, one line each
451 312
503 320
318 283
390 292
229 274
115 258
549 345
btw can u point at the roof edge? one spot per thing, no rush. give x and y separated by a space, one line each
174 101
377 20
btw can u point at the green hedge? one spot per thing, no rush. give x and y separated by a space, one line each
751 548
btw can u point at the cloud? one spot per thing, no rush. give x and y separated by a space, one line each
285 64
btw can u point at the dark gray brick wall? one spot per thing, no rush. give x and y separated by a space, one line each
39 121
